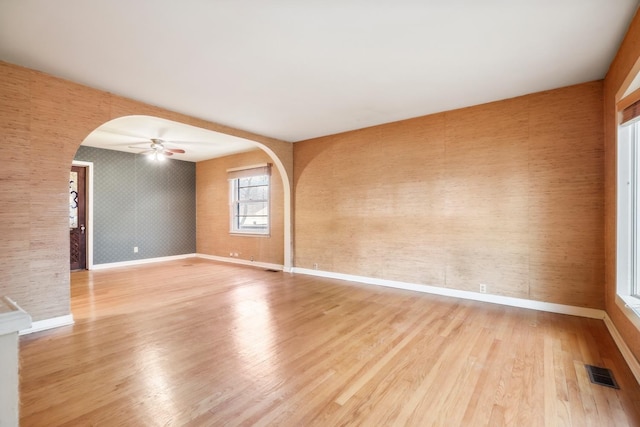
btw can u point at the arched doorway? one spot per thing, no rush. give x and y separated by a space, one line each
131 135
44 123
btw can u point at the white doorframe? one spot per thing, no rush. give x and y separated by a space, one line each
89 209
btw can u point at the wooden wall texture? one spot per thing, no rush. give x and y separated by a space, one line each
43 120
212 212
507 194
626 64
510 194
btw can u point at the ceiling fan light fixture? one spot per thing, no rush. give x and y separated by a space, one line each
156 156
157 151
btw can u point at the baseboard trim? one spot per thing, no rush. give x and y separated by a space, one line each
258 264
43 325
632 362
140 261
475 296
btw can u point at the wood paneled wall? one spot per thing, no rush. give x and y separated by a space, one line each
625 63
43 120
507 194
212 212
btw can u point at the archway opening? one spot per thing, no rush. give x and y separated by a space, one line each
126 137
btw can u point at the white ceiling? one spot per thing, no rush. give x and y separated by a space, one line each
294 70
132 134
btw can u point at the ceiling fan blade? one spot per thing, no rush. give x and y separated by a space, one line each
148 152
167 153
140 148
175 150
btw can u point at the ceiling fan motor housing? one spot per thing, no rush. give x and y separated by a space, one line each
156 145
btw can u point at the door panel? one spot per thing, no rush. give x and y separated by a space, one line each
77 218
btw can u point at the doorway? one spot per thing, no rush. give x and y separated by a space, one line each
77 218
85 202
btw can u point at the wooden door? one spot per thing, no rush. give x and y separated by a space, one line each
77 218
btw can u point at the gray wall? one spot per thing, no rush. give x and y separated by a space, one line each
141 203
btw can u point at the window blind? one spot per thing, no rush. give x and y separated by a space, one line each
249 171
631 112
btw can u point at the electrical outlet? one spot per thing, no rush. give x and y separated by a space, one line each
230 253
315 265
135 249
483 288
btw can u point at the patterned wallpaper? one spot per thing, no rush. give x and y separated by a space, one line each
140 203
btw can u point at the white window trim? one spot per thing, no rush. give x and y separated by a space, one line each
234 175
627 204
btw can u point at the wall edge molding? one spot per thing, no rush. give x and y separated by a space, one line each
592 313
229 260
628 356
12 317
140 261
51 323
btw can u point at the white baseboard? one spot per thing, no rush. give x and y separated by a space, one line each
43 325
495 299
633 363
229 260
140 261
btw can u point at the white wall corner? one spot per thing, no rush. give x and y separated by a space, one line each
12 317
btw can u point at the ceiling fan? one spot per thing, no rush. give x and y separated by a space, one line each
158 150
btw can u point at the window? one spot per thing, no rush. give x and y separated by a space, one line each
628 215
249 189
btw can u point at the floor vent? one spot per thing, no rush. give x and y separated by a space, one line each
601 376
271 270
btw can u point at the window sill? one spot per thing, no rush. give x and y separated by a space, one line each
241 234
630 306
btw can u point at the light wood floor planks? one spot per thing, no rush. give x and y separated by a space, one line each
197 343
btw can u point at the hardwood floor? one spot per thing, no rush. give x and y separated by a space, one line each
198 343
